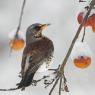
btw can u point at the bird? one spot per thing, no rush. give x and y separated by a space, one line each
39 49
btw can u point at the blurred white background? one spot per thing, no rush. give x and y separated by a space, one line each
62 16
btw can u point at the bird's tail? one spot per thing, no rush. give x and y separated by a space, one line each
26 81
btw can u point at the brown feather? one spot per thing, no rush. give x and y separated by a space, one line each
38 51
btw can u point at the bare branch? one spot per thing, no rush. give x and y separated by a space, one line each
60 86
76 37
47 83
54 86
20 19
34 82
11 89
83 34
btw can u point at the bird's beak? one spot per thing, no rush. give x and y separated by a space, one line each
43 26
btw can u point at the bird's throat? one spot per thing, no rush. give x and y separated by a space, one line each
32 39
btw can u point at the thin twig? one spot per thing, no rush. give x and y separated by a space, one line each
60 86
20 19
34 82
83 34
11 89
65 84
48 84
54 86
64 78
19 24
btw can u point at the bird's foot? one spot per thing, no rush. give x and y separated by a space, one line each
58 76
55 73
19 76
55 70
34 82
48 82
23 88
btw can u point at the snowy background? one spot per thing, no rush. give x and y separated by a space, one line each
62 16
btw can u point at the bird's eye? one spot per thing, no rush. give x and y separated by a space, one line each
37 28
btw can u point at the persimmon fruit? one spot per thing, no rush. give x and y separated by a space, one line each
82 62
90 21
80 17
17 44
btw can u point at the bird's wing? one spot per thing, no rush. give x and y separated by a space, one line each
35 61
31 62
23 64
33 57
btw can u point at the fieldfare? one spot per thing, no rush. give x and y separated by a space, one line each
38 50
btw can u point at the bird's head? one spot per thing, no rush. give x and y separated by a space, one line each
35 30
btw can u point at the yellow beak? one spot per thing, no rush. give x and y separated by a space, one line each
43 26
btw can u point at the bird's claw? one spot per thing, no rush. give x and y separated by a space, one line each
19 76
34 82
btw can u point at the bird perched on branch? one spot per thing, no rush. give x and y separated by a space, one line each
39 49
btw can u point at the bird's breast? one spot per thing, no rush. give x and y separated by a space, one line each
45 66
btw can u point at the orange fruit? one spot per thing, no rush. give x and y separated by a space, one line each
17 44
80 17
82 62
93 28
91 20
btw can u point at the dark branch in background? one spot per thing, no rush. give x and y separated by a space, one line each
20 19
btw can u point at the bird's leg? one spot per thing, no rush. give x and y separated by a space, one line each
46 81
49 82
55 70
23 88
